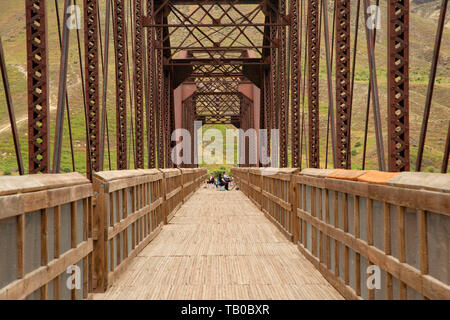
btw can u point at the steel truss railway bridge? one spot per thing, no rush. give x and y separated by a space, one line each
150 229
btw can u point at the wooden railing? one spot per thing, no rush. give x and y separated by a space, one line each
192 179
129 214
348 221
173 186
271 192
45 228
132 207
51 224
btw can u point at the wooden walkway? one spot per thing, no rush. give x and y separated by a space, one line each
220 246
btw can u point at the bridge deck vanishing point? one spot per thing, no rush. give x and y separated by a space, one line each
220 245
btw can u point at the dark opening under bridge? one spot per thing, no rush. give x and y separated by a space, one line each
151 233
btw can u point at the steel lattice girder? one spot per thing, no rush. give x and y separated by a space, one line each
167 118
313 81
282 82
274 91
138 83
160 88
221 70
267 110
295 82
188 124
92 84
398 85
121 84
233 25
217 100
37 83
343 84
246 122
152 94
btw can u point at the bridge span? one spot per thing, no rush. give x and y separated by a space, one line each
219 245
285 234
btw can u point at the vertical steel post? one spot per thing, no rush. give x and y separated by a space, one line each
152 93
37 83
138 83
121 83
91 71
160 88
343 84
273 79
398 85
283 94
295 82
313 81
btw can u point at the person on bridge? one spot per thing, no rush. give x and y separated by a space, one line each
222 182
211 180
226 178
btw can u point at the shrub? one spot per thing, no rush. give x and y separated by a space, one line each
7 172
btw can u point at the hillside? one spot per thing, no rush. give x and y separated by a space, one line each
424 14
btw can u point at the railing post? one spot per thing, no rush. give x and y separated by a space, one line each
261 181
293 201
100 272
183 177
164 197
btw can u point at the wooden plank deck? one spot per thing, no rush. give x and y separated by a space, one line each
220 246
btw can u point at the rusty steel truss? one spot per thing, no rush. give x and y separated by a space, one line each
91 45
139 83
243 62
296 73
398 85
38 85
151 93
120 45
343 67
313 81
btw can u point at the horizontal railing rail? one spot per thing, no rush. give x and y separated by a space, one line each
348 223
271 192
173 195
129 214
45 228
